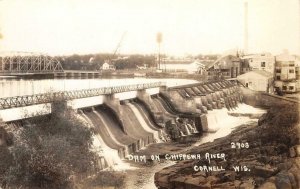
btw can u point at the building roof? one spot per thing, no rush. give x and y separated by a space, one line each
192 62
257 55
258 72
226 58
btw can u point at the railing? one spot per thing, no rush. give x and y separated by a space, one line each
21 101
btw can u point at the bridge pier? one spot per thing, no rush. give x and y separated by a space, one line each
96 75
83 75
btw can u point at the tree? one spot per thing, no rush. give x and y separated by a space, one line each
48 151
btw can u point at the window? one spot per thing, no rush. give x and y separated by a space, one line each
278 70
263 64
291 71
291 65
284 88
291 88
278 77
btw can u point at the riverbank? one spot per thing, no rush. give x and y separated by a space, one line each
270 160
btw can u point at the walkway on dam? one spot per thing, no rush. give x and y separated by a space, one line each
28 100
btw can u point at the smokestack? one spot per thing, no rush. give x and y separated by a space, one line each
246 27
159 40
299 25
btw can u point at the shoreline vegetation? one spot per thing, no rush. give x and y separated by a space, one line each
53 151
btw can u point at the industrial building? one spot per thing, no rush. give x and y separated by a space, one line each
182 65
257 80
285 73
225 67
262 61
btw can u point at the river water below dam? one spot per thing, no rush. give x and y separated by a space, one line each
125 127
143 176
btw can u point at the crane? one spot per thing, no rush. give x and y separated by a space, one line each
107 65
109 60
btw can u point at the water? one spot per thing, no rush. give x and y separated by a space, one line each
143 122
192 128
217 118
143 176
187 130
222 124
247 109
20 87
110 155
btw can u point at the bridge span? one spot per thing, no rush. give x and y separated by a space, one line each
36 64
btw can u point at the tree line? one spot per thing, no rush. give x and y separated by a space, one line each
95 61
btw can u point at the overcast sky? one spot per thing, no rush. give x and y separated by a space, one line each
188 26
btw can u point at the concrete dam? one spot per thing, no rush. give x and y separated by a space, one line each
124 127
125 123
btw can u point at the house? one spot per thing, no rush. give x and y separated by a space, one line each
107 66
257 80
182 65
263 61
225 67
286 69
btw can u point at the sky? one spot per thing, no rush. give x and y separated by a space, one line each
60 27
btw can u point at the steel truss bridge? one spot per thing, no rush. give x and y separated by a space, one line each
24 62
28 100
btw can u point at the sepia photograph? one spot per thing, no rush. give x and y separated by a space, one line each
149 94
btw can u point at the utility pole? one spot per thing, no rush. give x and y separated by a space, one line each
299 26
159 40
245 27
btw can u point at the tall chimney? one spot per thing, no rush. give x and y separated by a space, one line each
299 26
246 27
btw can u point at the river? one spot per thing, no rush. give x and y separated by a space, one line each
18 87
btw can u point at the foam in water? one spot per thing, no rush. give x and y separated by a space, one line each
192 128
217 118
222 123
110 155
181 134
187 129
247 109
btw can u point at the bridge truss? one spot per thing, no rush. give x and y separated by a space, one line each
29 63
28 100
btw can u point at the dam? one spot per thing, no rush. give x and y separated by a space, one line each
134 116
